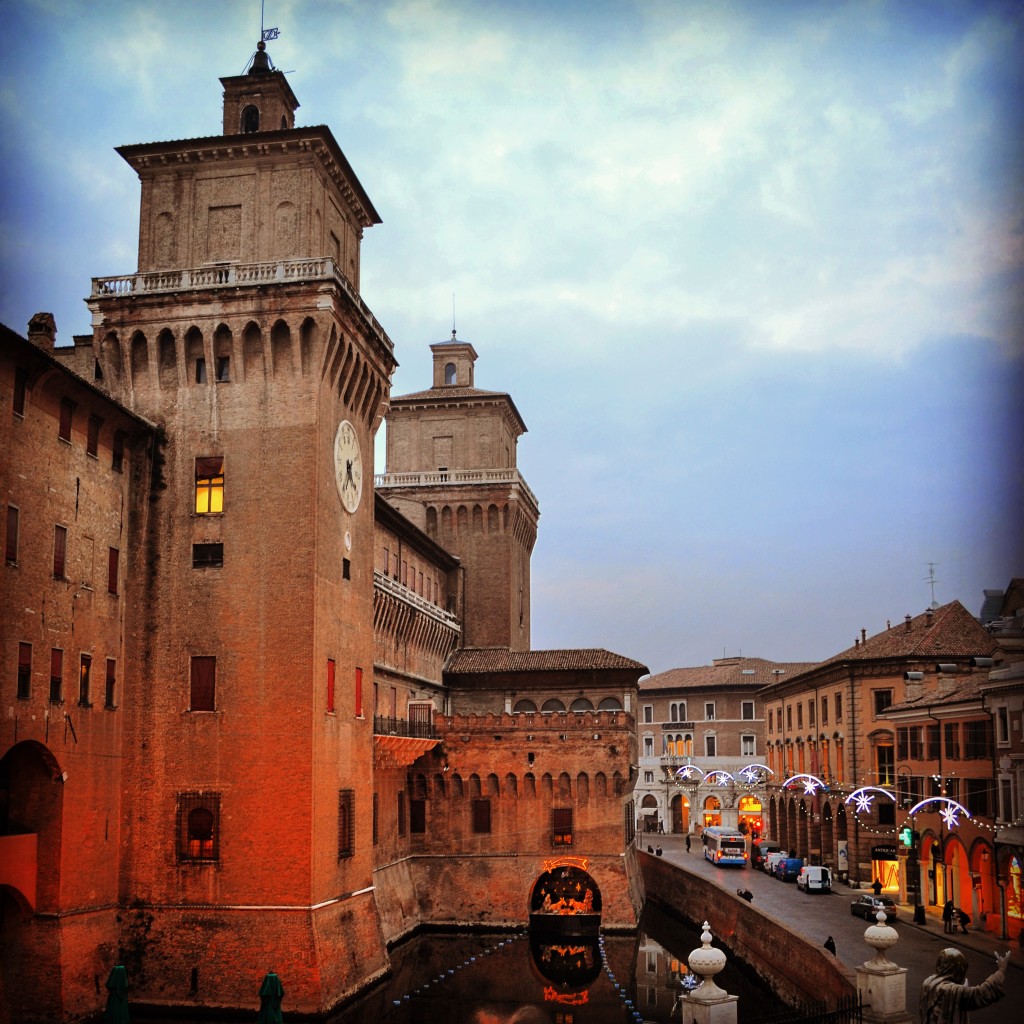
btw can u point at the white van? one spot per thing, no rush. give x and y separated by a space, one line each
772 859
814 878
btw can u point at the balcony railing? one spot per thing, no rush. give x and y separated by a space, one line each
457 477
385 726
385 583
677 726
236 275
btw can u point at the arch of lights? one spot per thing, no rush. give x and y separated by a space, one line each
719 777
752 774
811 783
949 811
862 798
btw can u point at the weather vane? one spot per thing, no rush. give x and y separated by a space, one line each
267 34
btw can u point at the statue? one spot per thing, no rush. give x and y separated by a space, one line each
945 999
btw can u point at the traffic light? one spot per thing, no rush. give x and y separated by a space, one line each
907 836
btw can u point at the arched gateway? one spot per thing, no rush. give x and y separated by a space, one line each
565 898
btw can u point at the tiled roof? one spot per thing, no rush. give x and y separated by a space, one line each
950 630
970 688
725 673
451 391
471 660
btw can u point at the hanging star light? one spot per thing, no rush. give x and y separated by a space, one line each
718 777
756 772
949 812
811 783
688 771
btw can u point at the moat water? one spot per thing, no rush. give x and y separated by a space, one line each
519 978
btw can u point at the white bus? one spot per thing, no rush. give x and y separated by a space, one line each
724 845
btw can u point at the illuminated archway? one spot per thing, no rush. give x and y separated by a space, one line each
680 813
565 897
750 817
712 811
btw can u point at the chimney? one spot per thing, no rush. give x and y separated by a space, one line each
42 331
863 635
929 616
906 623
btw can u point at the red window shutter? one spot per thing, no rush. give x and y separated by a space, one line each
204 679
60 550
359 693
330 684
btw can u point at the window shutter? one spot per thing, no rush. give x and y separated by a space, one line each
204 678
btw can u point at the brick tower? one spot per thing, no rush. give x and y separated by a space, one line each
248 803
451 469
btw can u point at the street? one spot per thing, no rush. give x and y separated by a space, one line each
818 916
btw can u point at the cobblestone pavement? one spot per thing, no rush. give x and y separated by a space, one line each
818 916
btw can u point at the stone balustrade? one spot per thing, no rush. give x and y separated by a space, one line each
455 477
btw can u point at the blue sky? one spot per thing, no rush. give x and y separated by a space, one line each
751 271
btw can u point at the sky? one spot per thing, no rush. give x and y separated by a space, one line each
751 271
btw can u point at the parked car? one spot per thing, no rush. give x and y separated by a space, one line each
771 860
868 906
814 878
788 868
759 850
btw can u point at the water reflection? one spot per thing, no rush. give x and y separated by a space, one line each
540 979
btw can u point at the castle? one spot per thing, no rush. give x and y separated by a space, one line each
263 709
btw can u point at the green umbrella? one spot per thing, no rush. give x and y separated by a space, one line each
117 998
271 994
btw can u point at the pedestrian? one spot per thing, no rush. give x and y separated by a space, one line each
830 945
945 996
876 885
658 853
687 842
947 917
661 828
965 920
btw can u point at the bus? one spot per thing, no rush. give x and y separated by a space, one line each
724 845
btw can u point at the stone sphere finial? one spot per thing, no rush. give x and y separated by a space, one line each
881 937
706 962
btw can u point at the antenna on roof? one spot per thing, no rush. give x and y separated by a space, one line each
930 578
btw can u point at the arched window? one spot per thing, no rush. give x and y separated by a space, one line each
524 707
581 704
552 704
198 827
609 704
449 373
250 119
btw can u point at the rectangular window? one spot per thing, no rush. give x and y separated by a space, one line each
418 817
223 369
709 711
839 707
771 721
13 523
902 743
92 439
747 746
1002 723
24 671
207 556
789 717
952 731
978 797
648 777
747 711
20 391
810 712
482 817
111 683
346 569
799 716
117 457
710 746
824 710
359 695
60 551
977 740
916 736
330 685
203 689
648 746
401 814
346 823
885 765
933 737
648 713
198 827
67 411
56 676
113 558
200 371
561 826
386 560
84 678
883 700
209 486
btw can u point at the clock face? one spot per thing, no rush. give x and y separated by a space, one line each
348 466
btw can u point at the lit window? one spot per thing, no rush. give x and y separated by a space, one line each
346 823
199 827
561 826
209 486
67 411
24 671
84 678
203 688
92 441
111 682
